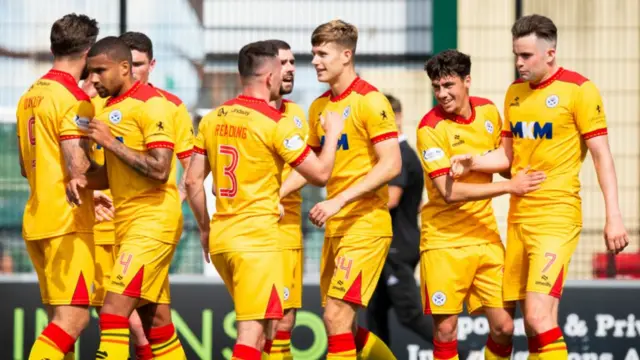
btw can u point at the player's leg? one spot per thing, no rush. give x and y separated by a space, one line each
256 287
446 278
358 263
281 339
136 268
486 294
161 334
139 336
405 297
377 313
514 281
341 342
68 263
550 247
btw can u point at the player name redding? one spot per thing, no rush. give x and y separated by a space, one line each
231 131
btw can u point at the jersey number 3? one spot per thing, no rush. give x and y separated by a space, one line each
230 170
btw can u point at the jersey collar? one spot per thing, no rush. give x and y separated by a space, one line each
63 76
346 92
547 82
133 89
459 119
252 99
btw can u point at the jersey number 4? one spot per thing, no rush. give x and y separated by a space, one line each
230 170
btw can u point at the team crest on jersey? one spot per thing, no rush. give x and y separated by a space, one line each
439 298
298 122
81 122
286 293
115 116
346 112
552 101
294 143
489 126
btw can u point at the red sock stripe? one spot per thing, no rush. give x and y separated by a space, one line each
362 335
533 345
267 346
548 337
245 352
143 352
499 349
162 334
445 350
283 335
111 321
63 341
341 343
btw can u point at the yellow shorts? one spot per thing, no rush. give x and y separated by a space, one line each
293 262
350 267
104 237
472 274
65 268
538 258
141 270
254 283
105 258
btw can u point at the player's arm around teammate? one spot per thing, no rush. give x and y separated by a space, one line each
548 97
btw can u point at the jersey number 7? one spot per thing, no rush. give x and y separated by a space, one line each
230 170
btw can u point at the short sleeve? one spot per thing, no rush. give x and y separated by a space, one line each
378 118
199 143
589 111
433 151
75 122
156 123
184 132
313 139
289 142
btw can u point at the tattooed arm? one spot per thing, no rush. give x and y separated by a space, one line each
154 164
75 152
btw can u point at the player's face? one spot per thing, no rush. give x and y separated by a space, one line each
533 57
288 63
451 92
107 75
274 80
142 66
330 59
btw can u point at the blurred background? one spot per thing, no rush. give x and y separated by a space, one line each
196 43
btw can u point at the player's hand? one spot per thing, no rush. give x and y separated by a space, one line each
281 209
73 190
103 206
332 123
320 213
460 165
99 132
204 242
615 235
526 181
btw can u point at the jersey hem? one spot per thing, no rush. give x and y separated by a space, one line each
244 250
455 246
55 234
357 233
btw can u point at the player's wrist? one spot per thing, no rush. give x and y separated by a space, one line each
341 200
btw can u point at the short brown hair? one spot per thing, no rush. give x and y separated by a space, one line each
541 26
253 56
72 34
280 44
139 42
448 63
336 31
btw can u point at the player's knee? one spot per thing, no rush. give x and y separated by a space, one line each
538 321
72 319
288 321
446 328
502 329
338 316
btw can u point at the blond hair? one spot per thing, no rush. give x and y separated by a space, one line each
338 32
